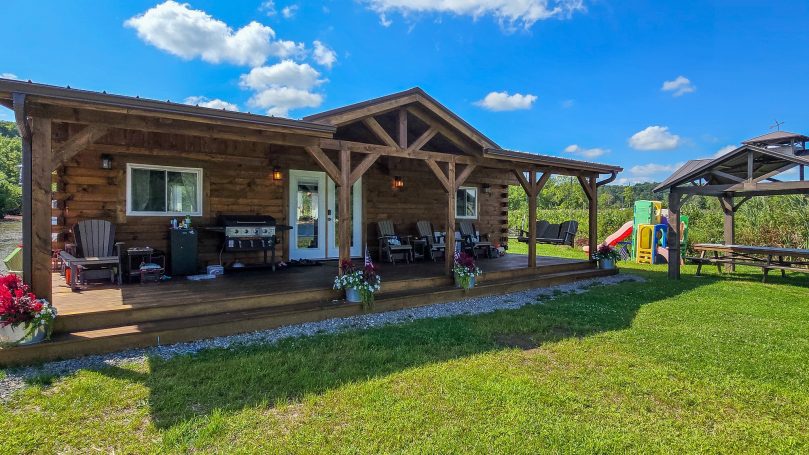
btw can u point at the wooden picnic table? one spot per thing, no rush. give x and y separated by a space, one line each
766 257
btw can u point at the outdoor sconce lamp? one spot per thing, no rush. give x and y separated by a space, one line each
487 189
106 162
398 183
277 174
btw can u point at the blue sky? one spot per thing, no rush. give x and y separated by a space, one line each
645 85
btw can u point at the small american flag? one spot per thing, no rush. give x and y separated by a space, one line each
368 262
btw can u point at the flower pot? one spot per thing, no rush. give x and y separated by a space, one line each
18 334
353 295
606 264
459 284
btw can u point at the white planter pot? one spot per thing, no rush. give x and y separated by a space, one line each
15 334
458 282
606 264
353 295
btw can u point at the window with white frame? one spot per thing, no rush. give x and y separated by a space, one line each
466 203
163 190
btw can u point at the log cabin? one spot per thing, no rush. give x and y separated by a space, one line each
329 177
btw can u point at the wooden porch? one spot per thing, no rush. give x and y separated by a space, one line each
105 318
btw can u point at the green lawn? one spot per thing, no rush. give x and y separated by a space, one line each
713 364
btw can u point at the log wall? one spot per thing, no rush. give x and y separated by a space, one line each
237 179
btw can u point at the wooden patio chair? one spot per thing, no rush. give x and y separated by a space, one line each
472 241
97 255
392 245
435 247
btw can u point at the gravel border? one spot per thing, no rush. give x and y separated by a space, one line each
16 378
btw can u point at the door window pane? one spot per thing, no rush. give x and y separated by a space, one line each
308 197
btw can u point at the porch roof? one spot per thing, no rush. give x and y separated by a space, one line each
317 125
67 96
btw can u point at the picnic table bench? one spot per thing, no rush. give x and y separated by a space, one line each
765 257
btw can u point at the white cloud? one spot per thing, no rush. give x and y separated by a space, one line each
268 7
502 101
586 153
279 101
510 13
655 138
287 73
384 21
679 86
323 55
651 172
215 103
289 11
8 76
724 150
283 87
190 33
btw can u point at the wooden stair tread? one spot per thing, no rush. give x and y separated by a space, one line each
166 331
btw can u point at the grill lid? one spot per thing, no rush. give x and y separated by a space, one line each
246 220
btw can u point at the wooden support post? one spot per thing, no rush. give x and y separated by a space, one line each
41 208
344 209
403 128
674 235
729 226
802 173
449 242
532 219
21 116
749 166
592 230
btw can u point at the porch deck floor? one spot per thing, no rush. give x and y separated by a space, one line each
103 297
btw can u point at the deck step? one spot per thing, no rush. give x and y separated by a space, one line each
188 328
122 315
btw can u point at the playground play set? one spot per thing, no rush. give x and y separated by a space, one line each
644 238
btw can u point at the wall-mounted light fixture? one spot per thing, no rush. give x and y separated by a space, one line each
277 174
106 162
398 183
487 189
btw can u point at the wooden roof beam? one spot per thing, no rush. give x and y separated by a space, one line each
423 139
379 132
77 143
325 163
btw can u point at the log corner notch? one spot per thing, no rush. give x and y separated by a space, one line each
532 187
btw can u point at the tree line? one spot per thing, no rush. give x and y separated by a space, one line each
776 220
10 159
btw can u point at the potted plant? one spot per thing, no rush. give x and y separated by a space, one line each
606 256
24 319
465 270
359 283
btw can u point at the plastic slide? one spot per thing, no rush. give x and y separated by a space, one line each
622 233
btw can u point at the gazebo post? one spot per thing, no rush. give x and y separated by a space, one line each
673 235
729 225
532 220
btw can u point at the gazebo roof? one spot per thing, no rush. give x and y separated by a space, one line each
732 167
776 137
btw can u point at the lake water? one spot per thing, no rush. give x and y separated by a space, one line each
10 238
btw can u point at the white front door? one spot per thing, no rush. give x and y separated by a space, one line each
313 209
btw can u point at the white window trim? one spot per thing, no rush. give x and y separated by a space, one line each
190 170
477 203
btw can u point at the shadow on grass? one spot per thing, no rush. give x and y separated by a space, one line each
186 387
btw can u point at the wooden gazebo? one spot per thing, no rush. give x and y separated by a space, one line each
734 178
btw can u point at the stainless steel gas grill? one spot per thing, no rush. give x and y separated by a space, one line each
250 233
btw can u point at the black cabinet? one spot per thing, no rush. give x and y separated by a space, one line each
183 251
